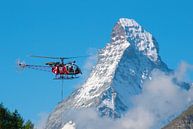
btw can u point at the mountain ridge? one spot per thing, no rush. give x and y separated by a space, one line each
183 121
121 70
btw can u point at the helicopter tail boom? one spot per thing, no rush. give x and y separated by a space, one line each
22 65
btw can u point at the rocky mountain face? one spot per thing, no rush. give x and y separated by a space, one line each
184 121
122 67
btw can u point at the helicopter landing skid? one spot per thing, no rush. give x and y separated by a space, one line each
65 78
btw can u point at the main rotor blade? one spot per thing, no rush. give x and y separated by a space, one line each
48 57
61 58
78 57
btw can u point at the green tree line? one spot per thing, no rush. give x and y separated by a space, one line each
13 120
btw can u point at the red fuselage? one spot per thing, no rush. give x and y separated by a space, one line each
66 70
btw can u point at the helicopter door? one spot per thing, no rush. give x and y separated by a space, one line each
61 70
68 68
71 69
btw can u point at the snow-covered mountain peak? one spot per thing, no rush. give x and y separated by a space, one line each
139 39
128 22
122 67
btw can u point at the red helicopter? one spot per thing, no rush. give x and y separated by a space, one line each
61 70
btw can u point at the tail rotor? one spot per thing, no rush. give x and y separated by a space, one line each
21 65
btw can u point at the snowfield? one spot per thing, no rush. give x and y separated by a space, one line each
69 125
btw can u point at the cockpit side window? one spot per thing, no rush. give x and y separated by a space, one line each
67 67
74 67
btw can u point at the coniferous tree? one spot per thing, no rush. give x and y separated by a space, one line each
12 120
28 125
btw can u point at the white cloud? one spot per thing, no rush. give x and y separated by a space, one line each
92 57
91 60
182 70
42 121
159 102
89 63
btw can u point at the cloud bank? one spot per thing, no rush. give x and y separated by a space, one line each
160 101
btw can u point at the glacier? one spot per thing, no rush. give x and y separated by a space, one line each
123 66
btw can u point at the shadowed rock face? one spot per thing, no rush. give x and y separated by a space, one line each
184 121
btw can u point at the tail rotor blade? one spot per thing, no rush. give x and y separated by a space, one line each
20 65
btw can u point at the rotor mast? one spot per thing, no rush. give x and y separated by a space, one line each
62 60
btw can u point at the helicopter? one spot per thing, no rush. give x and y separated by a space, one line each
62 71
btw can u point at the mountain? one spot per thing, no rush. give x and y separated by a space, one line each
122 67
183 121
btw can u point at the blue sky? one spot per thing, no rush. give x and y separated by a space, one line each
70 28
